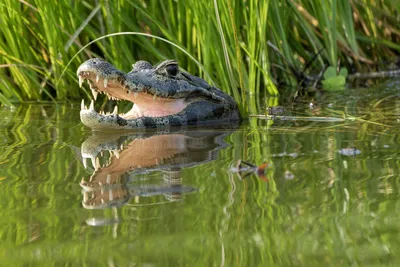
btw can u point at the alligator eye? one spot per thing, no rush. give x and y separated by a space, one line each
172 70
168 68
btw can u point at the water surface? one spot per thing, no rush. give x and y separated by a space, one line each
329 194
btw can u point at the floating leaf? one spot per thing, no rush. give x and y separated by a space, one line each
334 83
329 73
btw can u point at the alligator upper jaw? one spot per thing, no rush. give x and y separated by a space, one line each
145 104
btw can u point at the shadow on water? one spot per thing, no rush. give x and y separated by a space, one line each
313 192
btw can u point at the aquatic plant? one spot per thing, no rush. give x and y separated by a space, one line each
229 39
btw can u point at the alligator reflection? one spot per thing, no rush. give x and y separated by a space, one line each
119 158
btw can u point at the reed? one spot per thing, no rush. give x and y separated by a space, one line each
229 39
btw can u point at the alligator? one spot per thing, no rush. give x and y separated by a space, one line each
163 95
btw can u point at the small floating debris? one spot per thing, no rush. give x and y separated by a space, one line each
284 154
276 110
349 151
289 175
245 169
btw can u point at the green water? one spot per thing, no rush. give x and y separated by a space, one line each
176 199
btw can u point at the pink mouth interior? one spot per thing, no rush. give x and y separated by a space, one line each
144 104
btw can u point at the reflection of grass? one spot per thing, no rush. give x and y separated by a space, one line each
329 212
228 39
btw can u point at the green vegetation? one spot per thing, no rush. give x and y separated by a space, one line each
38 40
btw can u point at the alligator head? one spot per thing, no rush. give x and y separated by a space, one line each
163 97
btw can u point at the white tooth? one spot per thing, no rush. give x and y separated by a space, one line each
97 78
84 163
115 112
94 163
110 195
94 93
91 107
85 107
116 153
81 79
108 178
83 104
97 163
108 96
102 201
105 83
135 94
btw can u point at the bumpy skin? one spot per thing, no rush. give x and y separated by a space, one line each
204 104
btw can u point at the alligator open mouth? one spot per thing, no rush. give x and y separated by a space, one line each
145 104
162 97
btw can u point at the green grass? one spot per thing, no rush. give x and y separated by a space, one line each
228 40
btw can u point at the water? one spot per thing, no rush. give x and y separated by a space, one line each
329 193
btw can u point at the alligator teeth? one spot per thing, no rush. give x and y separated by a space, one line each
108 178
94 162
91 107
116 153
97 163
105 83
82 104
94 93
108 96
97 78
84 163
115 112
81 79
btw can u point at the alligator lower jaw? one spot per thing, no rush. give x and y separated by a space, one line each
145 105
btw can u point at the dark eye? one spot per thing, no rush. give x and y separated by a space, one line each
172 69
